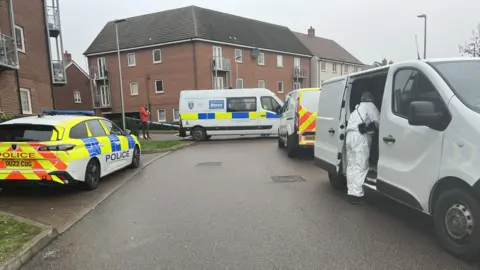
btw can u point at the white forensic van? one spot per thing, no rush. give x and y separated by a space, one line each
205 113
426 154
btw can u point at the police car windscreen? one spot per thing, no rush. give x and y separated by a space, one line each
25 133
310 100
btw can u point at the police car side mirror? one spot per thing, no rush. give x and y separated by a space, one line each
127 132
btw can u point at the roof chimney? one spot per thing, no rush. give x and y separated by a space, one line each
311 32
67 58
384 62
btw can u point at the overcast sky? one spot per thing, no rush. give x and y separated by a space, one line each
369 29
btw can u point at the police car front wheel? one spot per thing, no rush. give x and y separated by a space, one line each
92 175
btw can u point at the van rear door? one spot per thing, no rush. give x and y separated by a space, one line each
308 114
327 135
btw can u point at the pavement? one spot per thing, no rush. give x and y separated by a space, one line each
243 204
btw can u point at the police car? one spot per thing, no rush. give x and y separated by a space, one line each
64 147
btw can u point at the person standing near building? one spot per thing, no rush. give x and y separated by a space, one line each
144 113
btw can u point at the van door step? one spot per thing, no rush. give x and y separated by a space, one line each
371 178
372 174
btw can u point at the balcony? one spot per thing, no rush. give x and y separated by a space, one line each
102 97
53 21
8 54
300 72
98 74
221 64
58 72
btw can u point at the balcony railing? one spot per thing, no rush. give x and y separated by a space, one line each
53 20
58 72
300 72
221 64
102 97
8 54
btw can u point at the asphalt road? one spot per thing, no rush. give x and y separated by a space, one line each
215 206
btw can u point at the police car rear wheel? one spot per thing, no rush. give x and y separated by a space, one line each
136 158
92 175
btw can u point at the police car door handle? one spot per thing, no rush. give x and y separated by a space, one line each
331 131
389 139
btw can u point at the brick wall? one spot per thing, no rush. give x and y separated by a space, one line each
64 94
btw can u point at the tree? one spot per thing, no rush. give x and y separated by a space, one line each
472 47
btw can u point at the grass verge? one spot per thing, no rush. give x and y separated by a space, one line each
14 235
153 145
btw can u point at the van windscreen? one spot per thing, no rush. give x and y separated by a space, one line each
310 100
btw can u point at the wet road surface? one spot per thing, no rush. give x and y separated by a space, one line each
215 206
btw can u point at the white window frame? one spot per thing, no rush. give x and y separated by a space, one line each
176 119
345 68
163 86
295 84
261 55
297 62
279 60
75 95
334 67
153 56
131 89
22 36
29 96
239 80
355 69
264 84
134 60
158 115
323 66
282 87
240 55
101 61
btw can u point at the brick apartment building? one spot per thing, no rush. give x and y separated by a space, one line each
191 48
77 93
29 31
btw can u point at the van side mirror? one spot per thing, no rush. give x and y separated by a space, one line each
278 110
423 113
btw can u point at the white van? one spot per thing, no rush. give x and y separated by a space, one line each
429 140
298 121
205 113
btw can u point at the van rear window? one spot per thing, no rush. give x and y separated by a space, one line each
25 133
310 100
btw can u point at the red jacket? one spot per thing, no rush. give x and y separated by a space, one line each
143 115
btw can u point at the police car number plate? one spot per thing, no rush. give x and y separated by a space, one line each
18 163
310 138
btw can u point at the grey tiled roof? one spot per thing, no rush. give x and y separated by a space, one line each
195 22
327 48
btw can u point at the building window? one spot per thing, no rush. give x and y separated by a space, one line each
162 116
296 85
77 98
323 65
26 101
101 67
279 60
20 38
238 55
239 83
131 59
134 88
159 86
176 115
243 104
296 62
157 56
261 59
261 83
346 68
280 87
334 67
355 69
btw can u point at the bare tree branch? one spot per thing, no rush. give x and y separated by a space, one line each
472 47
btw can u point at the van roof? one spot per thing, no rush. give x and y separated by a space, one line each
226 92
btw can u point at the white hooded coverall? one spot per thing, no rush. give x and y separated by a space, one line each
358 146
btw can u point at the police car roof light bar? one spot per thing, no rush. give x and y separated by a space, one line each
69 112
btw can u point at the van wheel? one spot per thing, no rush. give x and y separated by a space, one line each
281 144
92 176
136 158
292 146
199 134
338 182
456 218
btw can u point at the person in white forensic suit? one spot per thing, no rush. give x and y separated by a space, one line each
362 123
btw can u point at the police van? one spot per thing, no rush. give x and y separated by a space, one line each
64 147
425 154
206 113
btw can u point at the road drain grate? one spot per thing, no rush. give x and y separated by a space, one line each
209 164
287 178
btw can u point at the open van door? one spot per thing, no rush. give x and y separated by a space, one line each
328 131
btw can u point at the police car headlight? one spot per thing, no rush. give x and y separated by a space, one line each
59 147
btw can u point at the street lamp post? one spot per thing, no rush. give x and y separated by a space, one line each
120 72
424 16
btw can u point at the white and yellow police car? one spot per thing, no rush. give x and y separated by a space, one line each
64 147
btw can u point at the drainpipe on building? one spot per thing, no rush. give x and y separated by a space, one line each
147 80
194 64
49 54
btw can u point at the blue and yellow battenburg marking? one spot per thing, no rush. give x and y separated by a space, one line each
116 145
229 115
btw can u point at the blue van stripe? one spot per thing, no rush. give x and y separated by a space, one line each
240 115
131 142
272 115
115 142
91 144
